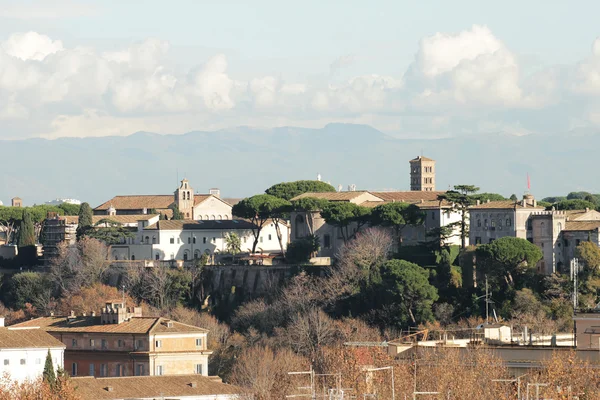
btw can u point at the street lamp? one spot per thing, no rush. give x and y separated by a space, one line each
391 368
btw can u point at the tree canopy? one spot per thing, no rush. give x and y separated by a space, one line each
508 256
461 198
85 219
289 190
407 286
26 231
574 204
483 197
397 215
258 209
589 253
341 214
177 215
110 232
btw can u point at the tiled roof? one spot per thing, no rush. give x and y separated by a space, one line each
581 225
504 204
89 324
425 204
413 196
138 202
27 338
199 198
232 201
122 219
166 386
176 225
421 158
332 196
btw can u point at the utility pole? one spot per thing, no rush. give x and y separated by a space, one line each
487 302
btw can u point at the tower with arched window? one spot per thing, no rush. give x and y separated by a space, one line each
184 199
422 174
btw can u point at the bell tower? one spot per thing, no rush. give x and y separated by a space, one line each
422 174
184 199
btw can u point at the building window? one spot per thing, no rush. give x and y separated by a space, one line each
74 343
204 240
133 257
185 256
74 369
199 217
566 243
103 370
153 239
187 214
189 240
199 369
157 257
508 222
120 343
172 240
499 222
270 236
196 255
214 239
104 344
38 361
178 241
327 241
139 369
160 370
478 240
147 239
245 239
485 223
172 256
194 240
577 241
23 361
493 222
158 343
92 343
6 361
261 239
92 370
491 240
479 223
198 342
119 370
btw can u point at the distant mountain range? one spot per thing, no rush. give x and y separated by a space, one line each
244 161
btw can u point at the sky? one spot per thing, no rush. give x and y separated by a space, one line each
426 69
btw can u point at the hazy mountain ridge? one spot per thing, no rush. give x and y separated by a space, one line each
243 161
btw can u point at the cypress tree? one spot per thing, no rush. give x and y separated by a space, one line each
26 231
85 219
49 375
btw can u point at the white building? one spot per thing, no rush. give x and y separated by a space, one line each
23 352
186 240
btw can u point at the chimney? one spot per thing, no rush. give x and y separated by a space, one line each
478 202
488 200
109 388
52 313
72 313
93 313
193 384
534 202
587 209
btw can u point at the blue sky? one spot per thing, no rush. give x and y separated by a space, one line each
425 69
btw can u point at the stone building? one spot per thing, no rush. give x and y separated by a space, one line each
422 174
16 202
121 342
557 233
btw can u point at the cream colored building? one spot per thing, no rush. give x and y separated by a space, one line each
201 207
436 214
121 342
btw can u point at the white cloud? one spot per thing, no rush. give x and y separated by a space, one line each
31 46
214 85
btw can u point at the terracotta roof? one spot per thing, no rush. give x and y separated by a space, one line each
166 386
89 324
332 196
176 225
199 198
426 204
412 196
504 204
138 202
581 225
122 219
421 158
27 338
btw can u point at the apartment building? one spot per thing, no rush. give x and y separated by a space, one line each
121 342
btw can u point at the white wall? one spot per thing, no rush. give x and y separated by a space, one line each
207 241
212 209
34 362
